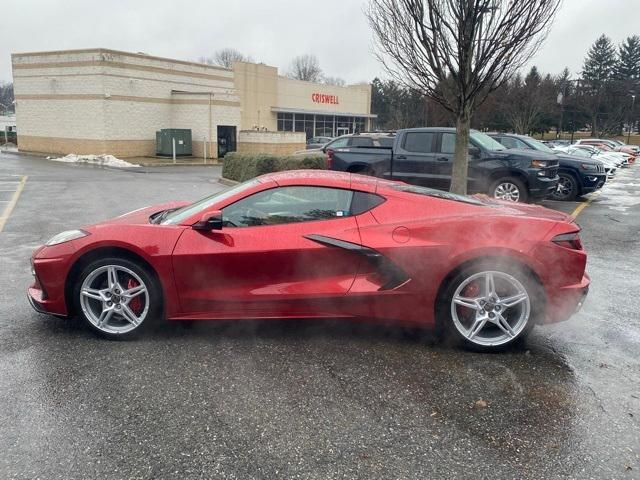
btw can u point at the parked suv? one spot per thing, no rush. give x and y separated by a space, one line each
424 156
577 175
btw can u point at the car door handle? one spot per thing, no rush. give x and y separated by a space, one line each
401 157
442 159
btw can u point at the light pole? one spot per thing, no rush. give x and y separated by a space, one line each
631 123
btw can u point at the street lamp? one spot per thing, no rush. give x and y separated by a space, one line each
631 123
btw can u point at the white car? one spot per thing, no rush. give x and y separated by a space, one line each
610 165
618 157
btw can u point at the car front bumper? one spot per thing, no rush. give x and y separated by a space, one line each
542 187
591 183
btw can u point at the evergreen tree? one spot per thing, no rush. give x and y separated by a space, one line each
600 64
598 79
628 67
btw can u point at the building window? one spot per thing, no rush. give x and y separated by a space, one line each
320 125
285 122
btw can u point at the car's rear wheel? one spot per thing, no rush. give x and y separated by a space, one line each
117 298
510 189
488 307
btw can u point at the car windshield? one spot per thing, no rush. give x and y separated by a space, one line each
538 145
579 152
183 213
432 192
485 141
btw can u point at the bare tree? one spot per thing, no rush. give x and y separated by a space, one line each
458 51
225 58
334 81
306 67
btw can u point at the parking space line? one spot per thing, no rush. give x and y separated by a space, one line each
12 203
584 205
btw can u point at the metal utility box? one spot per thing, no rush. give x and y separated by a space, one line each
164 142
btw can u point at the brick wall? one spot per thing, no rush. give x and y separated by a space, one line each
278 143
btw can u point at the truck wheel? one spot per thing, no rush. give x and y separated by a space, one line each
567 188
510 189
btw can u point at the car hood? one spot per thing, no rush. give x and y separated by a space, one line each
566 158
141 215
525 153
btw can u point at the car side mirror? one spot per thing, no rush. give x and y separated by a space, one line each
209 221
474 151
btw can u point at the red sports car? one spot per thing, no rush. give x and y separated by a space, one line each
316 244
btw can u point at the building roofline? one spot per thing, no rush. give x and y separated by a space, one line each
119 52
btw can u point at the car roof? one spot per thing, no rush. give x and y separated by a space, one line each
325 178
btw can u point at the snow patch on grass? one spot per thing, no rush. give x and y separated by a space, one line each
101 160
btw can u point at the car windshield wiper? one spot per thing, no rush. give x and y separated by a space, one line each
160 216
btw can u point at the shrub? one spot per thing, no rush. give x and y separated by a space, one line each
244 166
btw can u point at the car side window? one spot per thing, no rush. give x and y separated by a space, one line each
419 142
448 144
292 204
339 143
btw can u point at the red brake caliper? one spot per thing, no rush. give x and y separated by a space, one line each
135 304
470 291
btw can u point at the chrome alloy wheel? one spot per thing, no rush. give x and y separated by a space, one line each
507 191
490 308
114 299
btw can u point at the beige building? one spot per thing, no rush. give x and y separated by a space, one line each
106 101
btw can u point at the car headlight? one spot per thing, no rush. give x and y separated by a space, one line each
539 163
589 167
66 237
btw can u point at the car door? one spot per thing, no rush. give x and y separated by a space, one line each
414 158
263 262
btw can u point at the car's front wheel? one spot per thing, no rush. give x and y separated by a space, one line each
567 189
488 308
117 298
510 189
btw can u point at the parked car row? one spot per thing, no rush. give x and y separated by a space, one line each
509 167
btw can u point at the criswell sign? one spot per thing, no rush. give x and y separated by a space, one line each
322 98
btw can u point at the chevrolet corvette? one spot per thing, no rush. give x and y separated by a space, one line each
317 244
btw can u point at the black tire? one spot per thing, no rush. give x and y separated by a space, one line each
451 329
507 183
150 301
568 188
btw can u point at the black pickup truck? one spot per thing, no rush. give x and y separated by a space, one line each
424 156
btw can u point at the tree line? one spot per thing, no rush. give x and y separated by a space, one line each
302 67
600 98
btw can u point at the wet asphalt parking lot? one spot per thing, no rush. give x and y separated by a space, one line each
307 399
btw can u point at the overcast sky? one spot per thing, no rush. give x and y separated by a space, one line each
271 31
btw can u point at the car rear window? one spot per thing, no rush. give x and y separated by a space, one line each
386 141
361 142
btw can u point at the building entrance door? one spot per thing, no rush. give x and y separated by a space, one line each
226 140
342 131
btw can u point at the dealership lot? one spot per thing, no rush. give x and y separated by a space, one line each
307 399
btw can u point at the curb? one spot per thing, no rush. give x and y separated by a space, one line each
228 182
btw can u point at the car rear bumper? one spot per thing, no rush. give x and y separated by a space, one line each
565 301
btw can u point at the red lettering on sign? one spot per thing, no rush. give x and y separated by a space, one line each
322 98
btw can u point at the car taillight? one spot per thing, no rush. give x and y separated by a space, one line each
329 159
568 240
